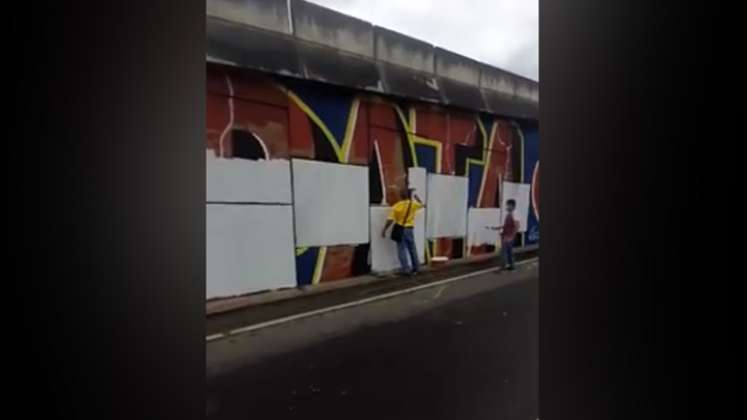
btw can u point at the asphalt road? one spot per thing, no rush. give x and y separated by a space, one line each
464 350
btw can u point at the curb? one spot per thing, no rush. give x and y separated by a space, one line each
222 306
332 308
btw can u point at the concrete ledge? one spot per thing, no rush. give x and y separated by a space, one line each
221 306
315 43
327 27
324 65
463 95
246 47
266 14
457 67
411 83
402 50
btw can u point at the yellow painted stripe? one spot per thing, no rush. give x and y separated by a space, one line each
318 121
491 139
484 135
486 158
408 132
319 265
427 142
350 130
481 126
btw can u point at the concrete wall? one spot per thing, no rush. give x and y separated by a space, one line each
313 42
258 123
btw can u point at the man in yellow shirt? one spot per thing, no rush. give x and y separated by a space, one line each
402 216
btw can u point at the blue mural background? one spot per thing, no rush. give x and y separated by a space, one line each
531 159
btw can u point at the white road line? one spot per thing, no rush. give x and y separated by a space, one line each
308 314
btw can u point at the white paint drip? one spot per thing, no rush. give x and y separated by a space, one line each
381 173
230 116
534 184
262 143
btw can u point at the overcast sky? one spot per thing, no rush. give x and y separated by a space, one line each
504 33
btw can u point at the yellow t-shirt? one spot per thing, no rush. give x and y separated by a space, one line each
397 214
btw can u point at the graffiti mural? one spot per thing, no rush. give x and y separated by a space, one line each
329 126
257 124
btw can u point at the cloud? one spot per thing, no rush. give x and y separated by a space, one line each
503 33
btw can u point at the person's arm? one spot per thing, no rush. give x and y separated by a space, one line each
418 203
498 228
386 226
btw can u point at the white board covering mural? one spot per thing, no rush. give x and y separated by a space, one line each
249 248
447 206
482 225
417 179
384 250
239 180
331 203
520 193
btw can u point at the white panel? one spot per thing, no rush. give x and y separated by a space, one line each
247 181
447 206
249 248
331 203
482 226
420 234
417 180
384 250
520 193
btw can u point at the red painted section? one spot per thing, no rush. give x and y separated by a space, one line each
338 264
259 107
301 139
217 119
215 80
494 171
245 85
430 122
463 129
504 142
392 164
382 114
359 149
269 123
